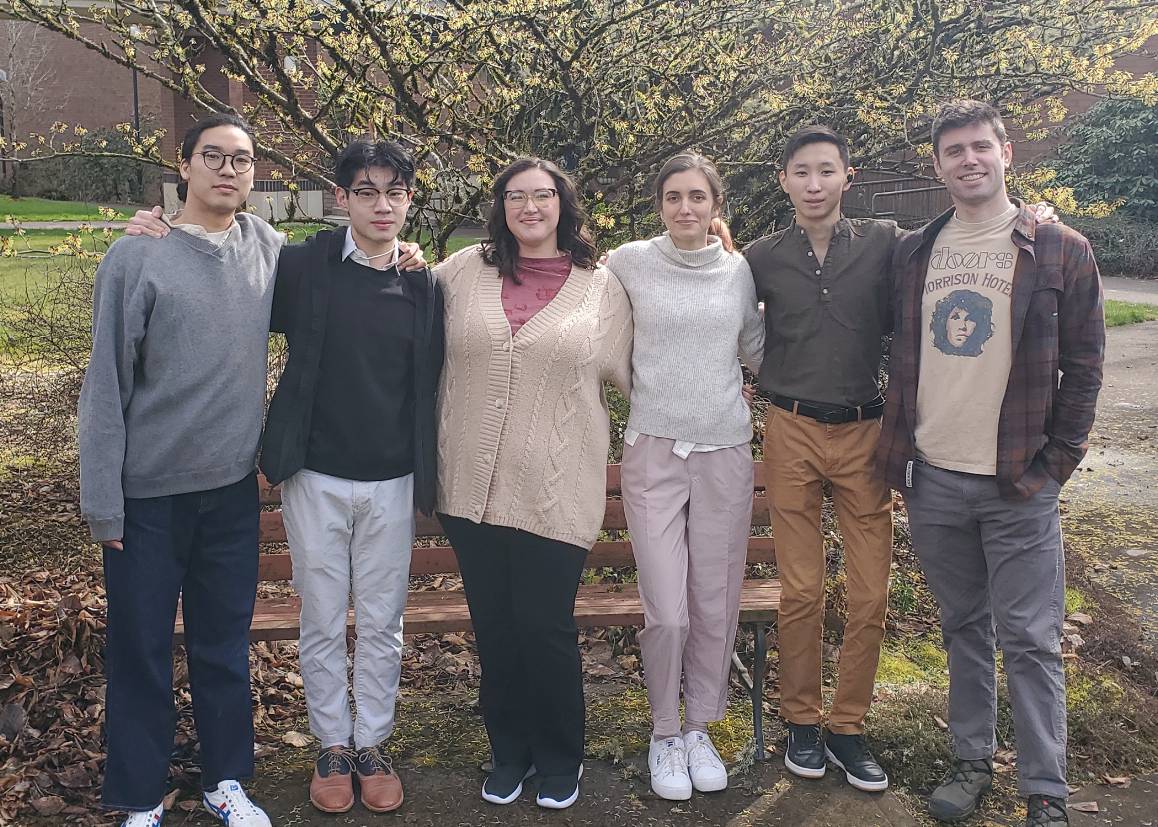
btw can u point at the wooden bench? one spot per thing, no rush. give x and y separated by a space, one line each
598 605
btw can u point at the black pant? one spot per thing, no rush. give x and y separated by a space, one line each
520 588
201 547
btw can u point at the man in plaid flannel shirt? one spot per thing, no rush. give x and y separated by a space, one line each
979 434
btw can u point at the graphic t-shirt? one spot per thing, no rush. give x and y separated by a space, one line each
966 348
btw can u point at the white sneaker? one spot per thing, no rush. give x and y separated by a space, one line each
233 808
705 766
669 769
145 818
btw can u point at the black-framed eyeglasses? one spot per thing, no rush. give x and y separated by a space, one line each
395 196
519 198
215 159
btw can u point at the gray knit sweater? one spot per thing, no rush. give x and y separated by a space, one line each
695 312
174 394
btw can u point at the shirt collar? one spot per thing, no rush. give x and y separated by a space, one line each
843 227
349 248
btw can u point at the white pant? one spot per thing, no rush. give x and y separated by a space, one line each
342 531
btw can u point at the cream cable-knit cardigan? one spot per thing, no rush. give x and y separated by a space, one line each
523 427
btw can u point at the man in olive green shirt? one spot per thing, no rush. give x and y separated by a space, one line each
825 283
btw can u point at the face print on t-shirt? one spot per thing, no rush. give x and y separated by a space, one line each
962 323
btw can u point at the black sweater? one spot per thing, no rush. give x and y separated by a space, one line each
306 277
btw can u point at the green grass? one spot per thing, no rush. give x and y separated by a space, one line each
42 209
28 268
1120 313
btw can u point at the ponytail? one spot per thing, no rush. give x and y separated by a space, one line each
720 230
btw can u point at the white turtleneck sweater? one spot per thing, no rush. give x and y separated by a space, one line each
695 312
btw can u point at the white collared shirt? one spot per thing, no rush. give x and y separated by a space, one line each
681 449
350 250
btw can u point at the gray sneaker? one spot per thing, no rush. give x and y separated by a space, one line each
957 796
1046 811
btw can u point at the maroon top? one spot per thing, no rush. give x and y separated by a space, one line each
541 278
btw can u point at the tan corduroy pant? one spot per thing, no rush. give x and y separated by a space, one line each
799 454
689 521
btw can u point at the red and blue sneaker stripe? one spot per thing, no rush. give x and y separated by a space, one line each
221 812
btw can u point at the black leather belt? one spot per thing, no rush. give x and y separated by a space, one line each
830 414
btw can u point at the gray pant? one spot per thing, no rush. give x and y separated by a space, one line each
994 562
347 536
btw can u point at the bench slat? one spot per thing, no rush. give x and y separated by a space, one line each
271 494
441 560
272 529
431 612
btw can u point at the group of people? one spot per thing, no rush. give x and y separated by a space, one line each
476 392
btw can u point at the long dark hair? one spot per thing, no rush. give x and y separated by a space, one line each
684 162
501 248
189 142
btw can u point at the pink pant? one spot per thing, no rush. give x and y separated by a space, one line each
689 521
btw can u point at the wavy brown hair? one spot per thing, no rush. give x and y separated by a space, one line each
501 248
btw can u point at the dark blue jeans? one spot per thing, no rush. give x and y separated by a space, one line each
200 547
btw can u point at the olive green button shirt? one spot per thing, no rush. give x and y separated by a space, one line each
824 322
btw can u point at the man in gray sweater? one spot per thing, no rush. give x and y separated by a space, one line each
169 422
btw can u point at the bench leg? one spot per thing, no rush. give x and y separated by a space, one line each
758 692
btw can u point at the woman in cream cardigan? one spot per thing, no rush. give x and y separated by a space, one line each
533 329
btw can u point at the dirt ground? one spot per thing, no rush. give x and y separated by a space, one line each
1111 521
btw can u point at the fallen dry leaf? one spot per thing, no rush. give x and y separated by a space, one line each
48 805
297 739
1081 618
1086 807
1122 781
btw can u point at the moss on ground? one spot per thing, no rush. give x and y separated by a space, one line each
1075 601
912 662
446 731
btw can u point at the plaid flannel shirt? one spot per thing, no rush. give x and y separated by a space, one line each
1057 325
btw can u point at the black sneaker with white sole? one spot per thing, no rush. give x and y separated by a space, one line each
558 792
851 754
805 753
505 783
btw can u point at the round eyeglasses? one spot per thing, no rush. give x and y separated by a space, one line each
215 159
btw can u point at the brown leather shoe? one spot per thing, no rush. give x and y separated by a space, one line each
332 788
381 788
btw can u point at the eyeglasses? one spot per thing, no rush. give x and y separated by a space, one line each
395 197
216 160
518 199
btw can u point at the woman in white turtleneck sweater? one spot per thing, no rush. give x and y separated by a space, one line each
687 464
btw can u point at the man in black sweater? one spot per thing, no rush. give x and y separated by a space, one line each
350 435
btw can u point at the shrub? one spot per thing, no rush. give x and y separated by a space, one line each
80 178
1112 155
1123 245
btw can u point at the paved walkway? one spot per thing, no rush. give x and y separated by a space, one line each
1142 291
1111 499
66 225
